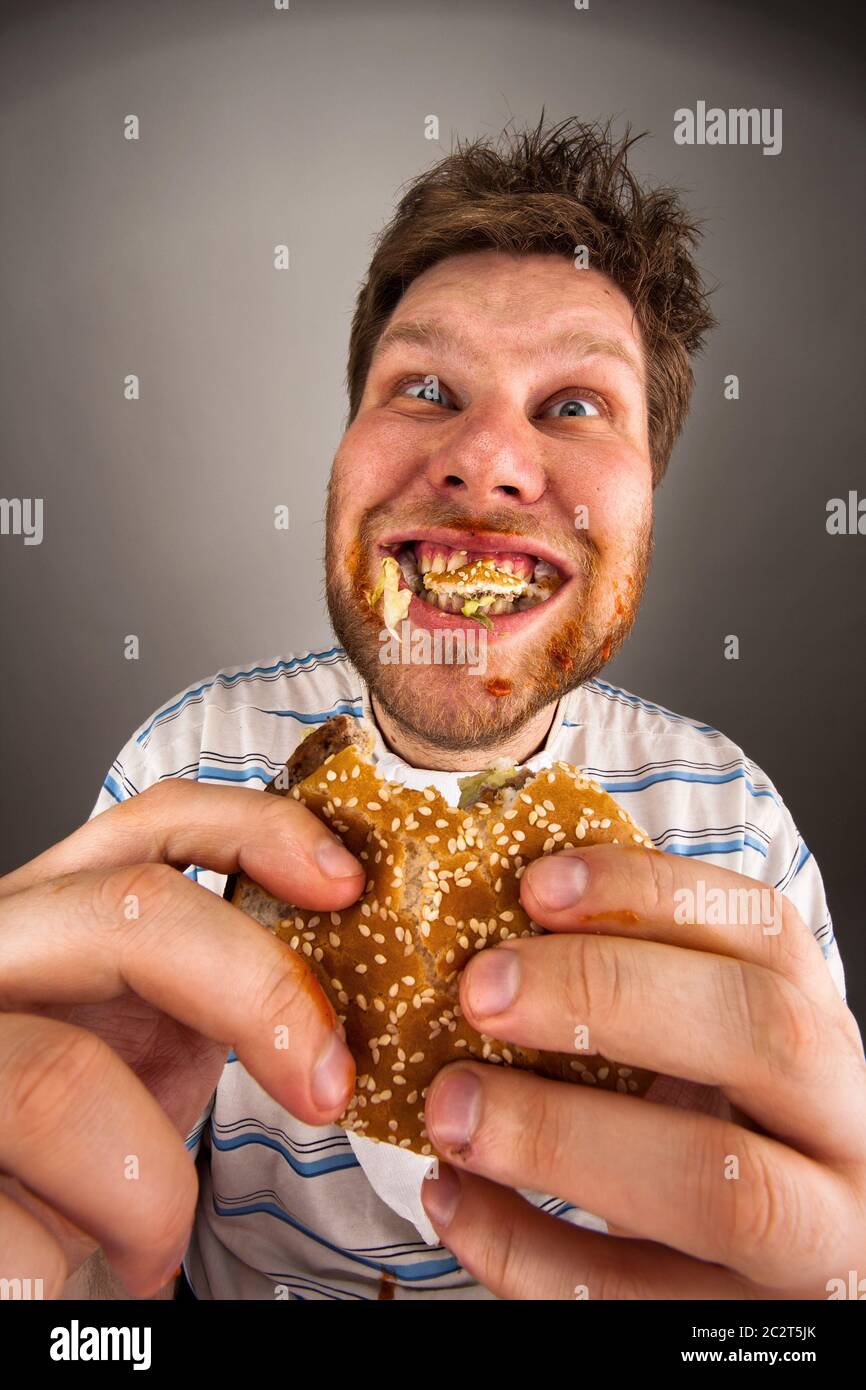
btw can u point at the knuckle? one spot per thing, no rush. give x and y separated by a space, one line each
658 883
770 1224
292 825
594 980
610 1281
162 796
503 1257
543 1141
156 888
282 990
759 1217
170 1216
53 1069
785 1027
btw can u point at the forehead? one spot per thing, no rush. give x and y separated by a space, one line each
504 302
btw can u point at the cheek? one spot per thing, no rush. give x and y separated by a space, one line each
618 497
373 462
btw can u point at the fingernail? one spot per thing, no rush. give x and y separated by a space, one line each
558 880
441 1195
332 1074
456 1108
492 981
335 860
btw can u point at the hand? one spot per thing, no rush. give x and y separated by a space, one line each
705 1207
123 986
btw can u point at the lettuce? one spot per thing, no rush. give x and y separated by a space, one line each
499 775
395 601
472 605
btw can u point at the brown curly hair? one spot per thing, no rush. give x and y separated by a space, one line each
550 190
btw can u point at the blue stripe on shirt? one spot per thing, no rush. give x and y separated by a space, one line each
288 667
418 1271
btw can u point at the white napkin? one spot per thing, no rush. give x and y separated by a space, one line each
396 1175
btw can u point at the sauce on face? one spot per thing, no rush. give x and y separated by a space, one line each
562 646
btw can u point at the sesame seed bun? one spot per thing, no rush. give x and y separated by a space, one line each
441 885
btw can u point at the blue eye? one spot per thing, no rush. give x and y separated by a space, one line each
428 390
576 406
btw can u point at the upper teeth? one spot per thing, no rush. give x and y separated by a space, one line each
447 577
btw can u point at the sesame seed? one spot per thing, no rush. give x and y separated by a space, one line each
361 969
334 939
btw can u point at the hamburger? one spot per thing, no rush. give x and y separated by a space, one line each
442 883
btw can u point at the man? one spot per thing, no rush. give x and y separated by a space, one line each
518 374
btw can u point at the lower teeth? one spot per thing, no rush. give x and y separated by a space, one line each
453 603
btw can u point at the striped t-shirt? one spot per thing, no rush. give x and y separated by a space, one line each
285 1209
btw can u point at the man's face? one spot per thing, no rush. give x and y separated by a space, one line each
501 455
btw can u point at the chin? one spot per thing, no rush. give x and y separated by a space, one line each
461 706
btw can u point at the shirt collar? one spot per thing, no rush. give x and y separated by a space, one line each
394 769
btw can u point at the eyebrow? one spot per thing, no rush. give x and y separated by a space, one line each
570 341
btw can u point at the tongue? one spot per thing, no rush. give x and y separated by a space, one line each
430 554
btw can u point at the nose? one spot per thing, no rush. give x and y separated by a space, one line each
490 458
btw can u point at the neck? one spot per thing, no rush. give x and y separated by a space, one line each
415 751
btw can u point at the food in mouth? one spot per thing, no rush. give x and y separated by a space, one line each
475 583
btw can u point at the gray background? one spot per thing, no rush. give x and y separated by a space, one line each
155 257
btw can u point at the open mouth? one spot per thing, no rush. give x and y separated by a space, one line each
475 581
